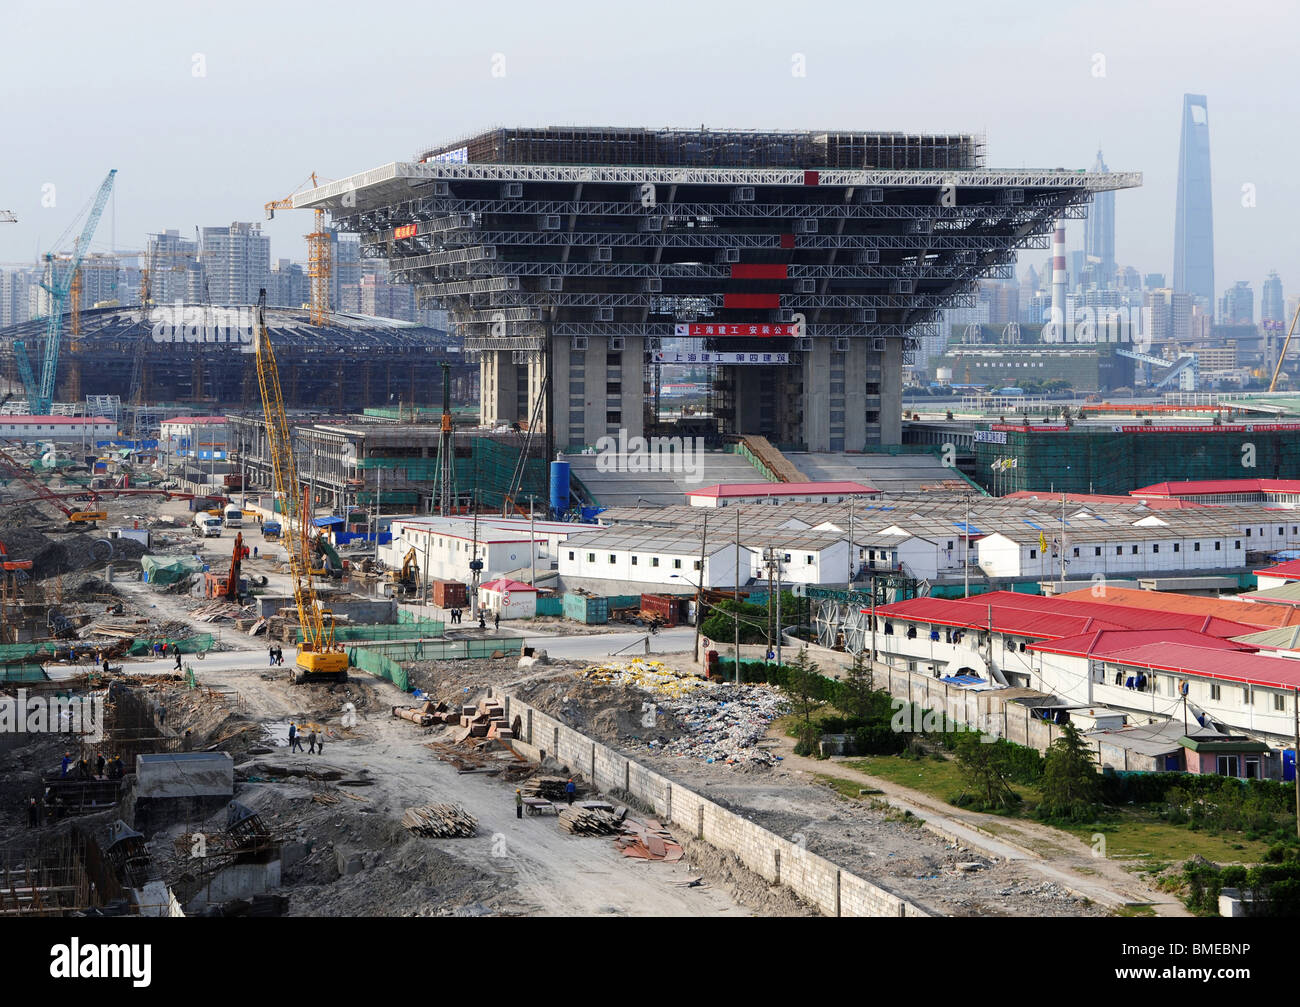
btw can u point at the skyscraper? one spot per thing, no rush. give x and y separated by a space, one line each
1099 232
1271 304
1194 220
1237 305
236 261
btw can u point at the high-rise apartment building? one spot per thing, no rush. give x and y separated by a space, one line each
14 286
1237 305
168 257
288 286
1194 219
236 261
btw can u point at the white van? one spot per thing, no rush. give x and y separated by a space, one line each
234 517
206 525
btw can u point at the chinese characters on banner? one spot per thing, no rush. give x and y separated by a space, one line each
712 357
742 329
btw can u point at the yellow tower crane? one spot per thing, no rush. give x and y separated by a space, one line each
320 659
319 264
1272 385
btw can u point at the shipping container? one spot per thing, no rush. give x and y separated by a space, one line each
449 594
585 609
668 607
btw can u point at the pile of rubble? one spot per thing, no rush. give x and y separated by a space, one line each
647 840
725 724
650 676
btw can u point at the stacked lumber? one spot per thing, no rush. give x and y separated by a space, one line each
588 822
647 840
553 787
440 820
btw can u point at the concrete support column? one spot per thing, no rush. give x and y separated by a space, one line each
499 388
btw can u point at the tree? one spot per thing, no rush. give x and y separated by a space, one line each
859 687
984 770
1070 786
803 682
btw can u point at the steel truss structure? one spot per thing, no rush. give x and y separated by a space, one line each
533 235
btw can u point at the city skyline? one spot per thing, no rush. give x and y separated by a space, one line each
1117 88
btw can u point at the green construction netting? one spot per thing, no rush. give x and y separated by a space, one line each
18 651
187 644
163 570
445 650
377 664
406 617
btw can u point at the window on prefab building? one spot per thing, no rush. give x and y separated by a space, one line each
1236 544
1215 692
1076 552
695 565
1248 533
654 560
1226 765
570 557
591 557
1176 545
809 559
1119 550
1135 550
1033 554
786 558
1218 546
677 564
634 561
1156 547
1096 550
612 558
1279 702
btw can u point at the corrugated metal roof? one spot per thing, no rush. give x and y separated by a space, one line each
1290 570
1215 487
1243 612
780 489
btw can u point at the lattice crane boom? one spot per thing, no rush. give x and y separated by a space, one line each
318 655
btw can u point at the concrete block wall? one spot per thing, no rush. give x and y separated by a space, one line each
778 859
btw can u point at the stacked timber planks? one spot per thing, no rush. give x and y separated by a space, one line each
445 820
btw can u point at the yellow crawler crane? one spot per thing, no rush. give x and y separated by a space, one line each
320 659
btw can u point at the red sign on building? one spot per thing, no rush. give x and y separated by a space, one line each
406 231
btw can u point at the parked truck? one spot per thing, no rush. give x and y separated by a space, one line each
234 517
206 525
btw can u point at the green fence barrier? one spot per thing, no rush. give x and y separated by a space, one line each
446 650
359 634
22 673
188 644
377 664
428 627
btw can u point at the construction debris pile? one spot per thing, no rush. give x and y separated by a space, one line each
725 724
588 821
444 820
647 840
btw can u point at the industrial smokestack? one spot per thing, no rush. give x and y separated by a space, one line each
1058 282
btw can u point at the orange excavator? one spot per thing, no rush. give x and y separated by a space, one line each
227 585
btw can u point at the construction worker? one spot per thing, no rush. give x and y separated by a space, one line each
187 742
99 657
295 739
311 742
115 768
100 763
33 814
178 659
67 761
570 789
496 620
519 803
83 769
270 653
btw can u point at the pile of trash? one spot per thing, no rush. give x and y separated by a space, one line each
725 724
651 676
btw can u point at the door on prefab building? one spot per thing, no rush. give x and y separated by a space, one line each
1227 765
1252 769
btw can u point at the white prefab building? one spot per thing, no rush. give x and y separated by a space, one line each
724 495
511 599
1117 551
446 546
56 428
653 558
805 557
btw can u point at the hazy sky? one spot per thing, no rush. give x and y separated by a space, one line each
341 87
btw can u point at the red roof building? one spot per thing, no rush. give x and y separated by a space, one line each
827 492
1224 491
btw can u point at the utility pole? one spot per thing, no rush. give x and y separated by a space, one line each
699 591
735 600
873 622
532 541
1062 548
965 552
777 558
850 584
